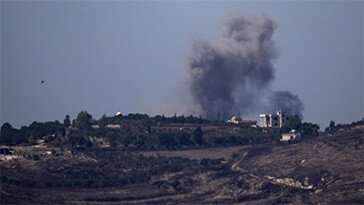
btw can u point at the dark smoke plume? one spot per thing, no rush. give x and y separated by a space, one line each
230 75
287 102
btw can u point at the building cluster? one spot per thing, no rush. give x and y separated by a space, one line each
276 120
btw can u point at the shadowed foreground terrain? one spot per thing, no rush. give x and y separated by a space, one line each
326 169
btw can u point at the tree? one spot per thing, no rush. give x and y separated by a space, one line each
332 124
8 134
167 139
183 138
294 122
331 128
6 127
83 121
102 121
112 138
125 140
31 139
67 121
174 118
308 130
197 135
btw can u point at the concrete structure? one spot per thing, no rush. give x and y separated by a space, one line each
113 126
238 120
273 120
290 136
107 126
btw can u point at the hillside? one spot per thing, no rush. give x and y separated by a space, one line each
325 169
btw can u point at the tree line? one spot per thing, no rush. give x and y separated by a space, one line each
135 132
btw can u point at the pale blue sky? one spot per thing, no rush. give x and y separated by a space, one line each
104 57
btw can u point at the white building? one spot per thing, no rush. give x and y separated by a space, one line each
273 120
290 136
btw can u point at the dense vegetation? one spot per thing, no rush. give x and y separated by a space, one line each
139 131
12 136
332 128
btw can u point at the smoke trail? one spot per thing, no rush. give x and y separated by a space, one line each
229 75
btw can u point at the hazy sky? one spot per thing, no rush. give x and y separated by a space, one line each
105 57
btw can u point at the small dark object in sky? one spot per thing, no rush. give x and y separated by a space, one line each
42 81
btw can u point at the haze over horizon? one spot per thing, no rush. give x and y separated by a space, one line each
105 57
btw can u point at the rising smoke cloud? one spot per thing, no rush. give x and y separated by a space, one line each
233 74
